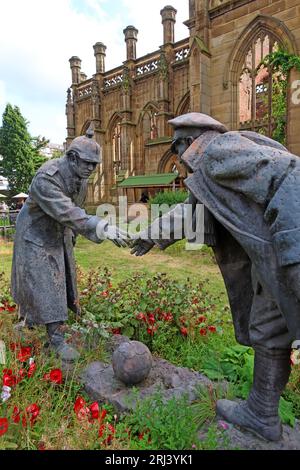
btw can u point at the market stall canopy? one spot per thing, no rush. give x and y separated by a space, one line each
21 196
164 179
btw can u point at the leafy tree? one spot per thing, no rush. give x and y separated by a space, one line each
20 152
57 154
38 144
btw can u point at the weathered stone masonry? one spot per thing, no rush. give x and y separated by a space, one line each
130 105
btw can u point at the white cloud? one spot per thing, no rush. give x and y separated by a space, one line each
39 36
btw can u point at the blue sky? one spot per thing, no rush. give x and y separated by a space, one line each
38 37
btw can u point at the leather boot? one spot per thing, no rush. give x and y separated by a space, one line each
58 344
259 413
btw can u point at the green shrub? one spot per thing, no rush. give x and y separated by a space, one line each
236 366
163 425
146 308
169 197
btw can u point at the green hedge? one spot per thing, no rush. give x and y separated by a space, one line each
169 197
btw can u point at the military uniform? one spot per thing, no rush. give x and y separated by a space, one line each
43 271
249 185
246 182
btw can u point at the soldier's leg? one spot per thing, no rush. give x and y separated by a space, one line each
58 343
272 345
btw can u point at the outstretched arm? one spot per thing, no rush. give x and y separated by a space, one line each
164 231
47 193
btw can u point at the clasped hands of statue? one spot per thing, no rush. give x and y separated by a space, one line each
123 239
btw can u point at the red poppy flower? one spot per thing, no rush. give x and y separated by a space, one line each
16 415
14 346
107 429
95 412
83 413
141 317
111 428
101 430
195 301
105 294
56 376
168 317
3 426
142 435
212 329
2 309
151 318
12 308
79 403
32 411
116 331
201 320
94 409
151 331
31 370
184 331
22 373
81 409
9 380
203 331
24 354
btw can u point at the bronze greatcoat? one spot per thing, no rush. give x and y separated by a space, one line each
43 271
250 187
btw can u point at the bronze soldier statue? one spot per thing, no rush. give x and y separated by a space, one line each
43 271
250 188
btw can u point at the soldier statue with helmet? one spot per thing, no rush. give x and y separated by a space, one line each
43 271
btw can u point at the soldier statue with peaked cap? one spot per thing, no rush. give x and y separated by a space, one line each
250 188
43 271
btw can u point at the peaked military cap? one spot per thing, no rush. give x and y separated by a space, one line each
199 121
86 147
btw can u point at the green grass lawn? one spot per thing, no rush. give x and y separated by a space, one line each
175 261
178 263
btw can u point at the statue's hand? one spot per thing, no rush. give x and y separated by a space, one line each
142 247
119 237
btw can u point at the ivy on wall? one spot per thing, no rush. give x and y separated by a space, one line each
280 63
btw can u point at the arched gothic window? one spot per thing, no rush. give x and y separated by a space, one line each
170 164
150 131
262 95
116 145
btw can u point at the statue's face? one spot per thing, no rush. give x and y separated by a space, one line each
83 168
183 139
